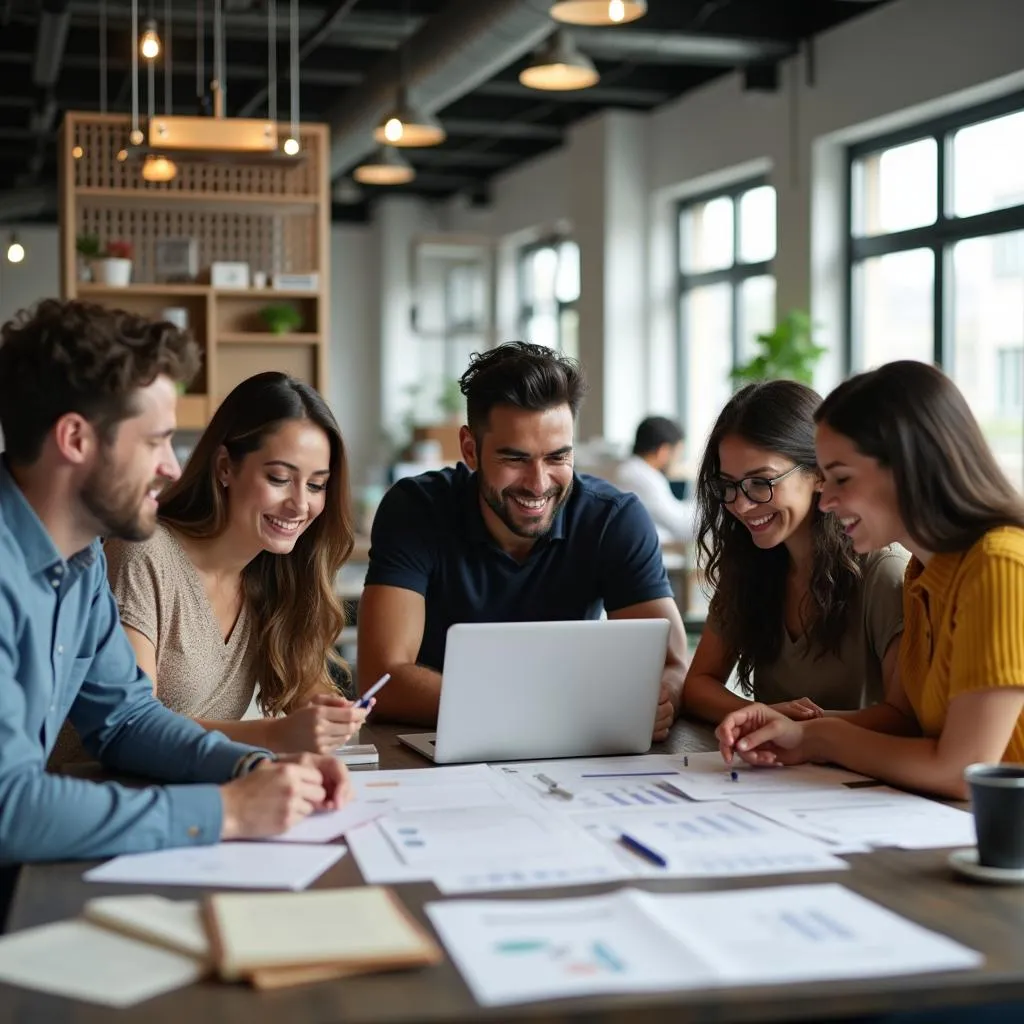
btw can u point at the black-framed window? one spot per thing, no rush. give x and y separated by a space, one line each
726 293
549 291
936 259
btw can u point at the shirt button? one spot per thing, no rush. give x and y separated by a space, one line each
193 831
59 570
55 583
60 649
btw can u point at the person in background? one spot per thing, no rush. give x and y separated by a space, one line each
657 447
808 623
236 584
512 534
87 409
905 461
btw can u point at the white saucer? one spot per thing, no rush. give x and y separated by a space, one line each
966 862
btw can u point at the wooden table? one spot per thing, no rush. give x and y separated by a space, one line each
918 885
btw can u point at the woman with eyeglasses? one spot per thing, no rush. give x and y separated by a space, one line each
808 624
905 460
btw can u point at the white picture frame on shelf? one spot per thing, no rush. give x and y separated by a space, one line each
175 260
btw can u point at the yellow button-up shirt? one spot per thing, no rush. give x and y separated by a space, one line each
964 628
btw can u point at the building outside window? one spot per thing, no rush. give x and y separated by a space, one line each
726 296
549 291
936 260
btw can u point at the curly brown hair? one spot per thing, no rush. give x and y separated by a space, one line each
531 377
72 356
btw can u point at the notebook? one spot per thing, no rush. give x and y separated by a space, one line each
275 939
174 924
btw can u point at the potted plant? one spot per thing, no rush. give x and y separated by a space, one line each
114 266
281 318
88 248
787 352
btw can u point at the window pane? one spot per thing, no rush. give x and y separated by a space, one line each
706 315
569 332
542 268
542 329
757 224
896 189
705 236
893 307
988 341
567 281
988 165
756 313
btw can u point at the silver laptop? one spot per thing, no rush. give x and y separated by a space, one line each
528 690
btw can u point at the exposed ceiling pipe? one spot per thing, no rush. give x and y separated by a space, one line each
462 45
54 21
644 47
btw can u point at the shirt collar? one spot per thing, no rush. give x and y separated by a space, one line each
936 577
476 528
29 533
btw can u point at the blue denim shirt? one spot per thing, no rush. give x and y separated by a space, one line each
63 655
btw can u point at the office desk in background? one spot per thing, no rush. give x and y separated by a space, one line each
916 884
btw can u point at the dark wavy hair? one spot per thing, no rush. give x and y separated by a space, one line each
913 419
531 377
748 584
297 615
78 357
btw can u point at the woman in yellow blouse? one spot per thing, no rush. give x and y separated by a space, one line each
905 461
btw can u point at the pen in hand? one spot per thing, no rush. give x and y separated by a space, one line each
364 701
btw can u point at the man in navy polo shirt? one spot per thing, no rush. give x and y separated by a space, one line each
513 535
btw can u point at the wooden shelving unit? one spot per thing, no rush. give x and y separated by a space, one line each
274 217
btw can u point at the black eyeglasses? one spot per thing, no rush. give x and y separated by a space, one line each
758 489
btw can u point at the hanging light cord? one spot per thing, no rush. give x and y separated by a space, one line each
168 76
135 66
293 41
103 56
272 60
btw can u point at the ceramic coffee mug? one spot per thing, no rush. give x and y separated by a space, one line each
997 803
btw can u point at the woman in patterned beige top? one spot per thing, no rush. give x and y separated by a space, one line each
235 588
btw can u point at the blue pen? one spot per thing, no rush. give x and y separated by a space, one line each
644 851
364 701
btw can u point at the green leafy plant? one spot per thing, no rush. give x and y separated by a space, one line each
281 318
787 352
451 400
88 246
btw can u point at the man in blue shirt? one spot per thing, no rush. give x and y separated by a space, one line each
87 401
513 535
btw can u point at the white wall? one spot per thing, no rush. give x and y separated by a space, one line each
897 64
37 276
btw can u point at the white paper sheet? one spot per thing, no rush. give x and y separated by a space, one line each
706 776
79 960
518 951
175 924
229 865
428 788
322 828
855 819
708 840
597 782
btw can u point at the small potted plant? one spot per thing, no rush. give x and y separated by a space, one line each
88 248
281 318
114 266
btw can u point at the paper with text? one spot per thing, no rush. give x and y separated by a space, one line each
518 951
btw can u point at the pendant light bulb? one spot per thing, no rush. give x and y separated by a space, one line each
149 44
598 12
559 67
15 251
393 129
291 146
407 125
159 168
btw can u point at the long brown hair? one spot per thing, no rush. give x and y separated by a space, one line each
747 583
297 616
913 419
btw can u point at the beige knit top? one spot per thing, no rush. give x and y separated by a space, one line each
160 594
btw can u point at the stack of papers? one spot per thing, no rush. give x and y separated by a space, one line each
631 941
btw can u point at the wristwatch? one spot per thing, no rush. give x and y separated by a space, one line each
247 762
